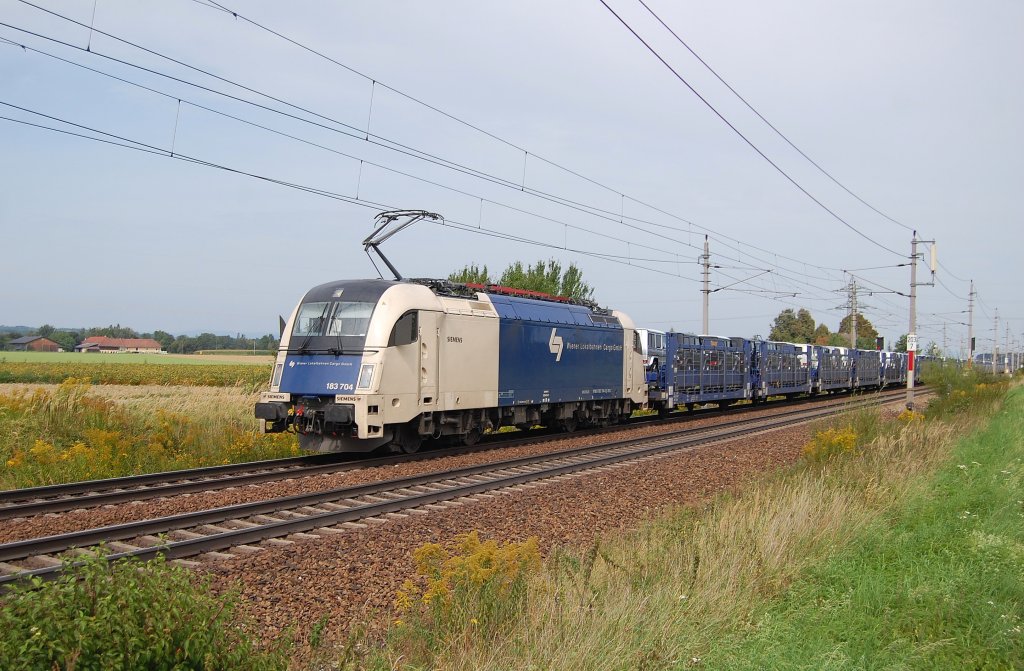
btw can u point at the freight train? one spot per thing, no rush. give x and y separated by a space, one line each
380 364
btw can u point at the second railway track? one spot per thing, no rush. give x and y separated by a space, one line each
237 527
91 494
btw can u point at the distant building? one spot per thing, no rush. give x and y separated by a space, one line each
36 343
118 345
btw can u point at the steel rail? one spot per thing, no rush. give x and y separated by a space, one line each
620 451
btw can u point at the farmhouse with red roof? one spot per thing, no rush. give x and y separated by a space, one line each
117 345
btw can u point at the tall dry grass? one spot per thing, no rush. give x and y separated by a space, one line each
73 431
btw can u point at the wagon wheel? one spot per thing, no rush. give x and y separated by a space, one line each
472 437
568 425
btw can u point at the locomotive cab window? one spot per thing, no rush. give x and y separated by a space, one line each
636 343
310 320
405 331
337 327
349 319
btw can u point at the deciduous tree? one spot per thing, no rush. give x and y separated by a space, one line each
472 274
822 334
793 326
866 332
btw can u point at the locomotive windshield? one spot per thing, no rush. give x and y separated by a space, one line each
331 326
333 319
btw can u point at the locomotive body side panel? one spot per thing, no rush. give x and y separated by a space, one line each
553 353
468 361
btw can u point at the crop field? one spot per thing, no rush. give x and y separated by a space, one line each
202 359
247 372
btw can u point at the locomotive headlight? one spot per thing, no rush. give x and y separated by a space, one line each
365 376
276 381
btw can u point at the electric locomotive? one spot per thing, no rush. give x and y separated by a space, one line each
368 364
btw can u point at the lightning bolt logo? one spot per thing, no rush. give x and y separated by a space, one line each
555 345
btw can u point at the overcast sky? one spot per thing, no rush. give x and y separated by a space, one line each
915 107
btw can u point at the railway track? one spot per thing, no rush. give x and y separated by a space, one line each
237 528
94 493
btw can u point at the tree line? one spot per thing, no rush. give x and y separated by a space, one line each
68 339
799 326
544 276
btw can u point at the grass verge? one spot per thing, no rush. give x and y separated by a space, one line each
900 548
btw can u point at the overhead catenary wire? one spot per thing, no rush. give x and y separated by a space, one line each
415 153
127 143
741 135
376 80
768 123
584 210
718 236
381 166
385 143
236 15
587 210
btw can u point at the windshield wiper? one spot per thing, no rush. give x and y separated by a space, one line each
340 349
320 327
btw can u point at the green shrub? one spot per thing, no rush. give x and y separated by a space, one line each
958 390
124 615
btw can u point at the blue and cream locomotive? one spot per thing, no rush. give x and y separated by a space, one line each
365 364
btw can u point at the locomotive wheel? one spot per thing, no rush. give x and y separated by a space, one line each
472 438
568 425
407 440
